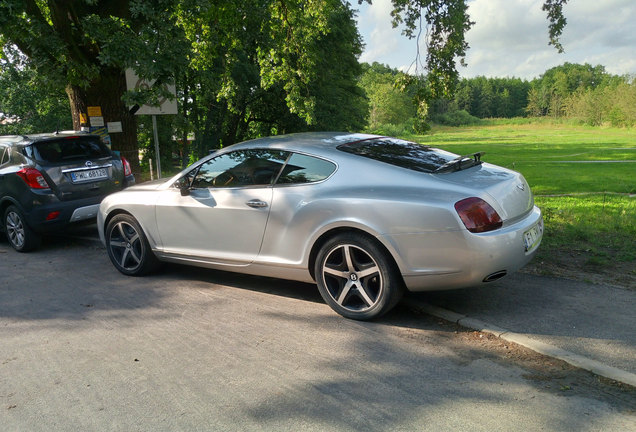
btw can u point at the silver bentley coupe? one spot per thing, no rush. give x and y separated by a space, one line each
365 217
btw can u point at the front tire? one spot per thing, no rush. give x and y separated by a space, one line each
128 247
357 277
19 233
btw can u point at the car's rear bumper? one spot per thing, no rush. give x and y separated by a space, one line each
69 212
460 259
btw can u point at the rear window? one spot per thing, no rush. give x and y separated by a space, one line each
70 149
400 153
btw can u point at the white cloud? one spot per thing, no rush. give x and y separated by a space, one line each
510 37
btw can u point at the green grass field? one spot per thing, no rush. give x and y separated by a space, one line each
583 178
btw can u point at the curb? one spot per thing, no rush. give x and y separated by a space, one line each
542 348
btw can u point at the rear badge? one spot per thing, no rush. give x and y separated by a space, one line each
521 186
89 164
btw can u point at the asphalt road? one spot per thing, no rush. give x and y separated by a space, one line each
84 348
594 321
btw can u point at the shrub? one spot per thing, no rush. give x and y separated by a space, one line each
455 118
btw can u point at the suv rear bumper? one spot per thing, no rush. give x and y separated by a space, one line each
69 212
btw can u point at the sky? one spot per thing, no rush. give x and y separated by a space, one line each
510 37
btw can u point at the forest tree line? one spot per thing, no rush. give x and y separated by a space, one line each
581 92
226 104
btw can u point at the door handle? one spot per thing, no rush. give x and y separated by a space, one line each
256 203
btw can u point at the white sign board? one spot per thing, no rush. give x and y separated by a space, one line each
97 121
114 127
167 106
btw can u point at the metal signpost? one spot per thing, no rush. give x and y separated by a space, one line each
166 106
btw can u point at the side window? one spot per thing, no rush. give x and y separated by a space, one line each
305 169
241 168
4 155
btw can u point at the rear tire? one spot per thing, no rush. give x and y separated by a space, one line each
357 277
128 247
19 233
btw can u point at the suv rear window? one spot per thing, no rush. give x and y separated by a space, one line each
70 149
400 153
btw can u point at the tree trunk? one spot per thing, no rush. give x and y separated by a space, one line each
106 92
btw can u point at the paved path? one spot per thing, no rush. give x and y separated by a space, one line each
594 321
84 348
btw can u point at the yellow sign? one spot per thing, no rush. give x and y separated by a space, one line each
83 118
94 111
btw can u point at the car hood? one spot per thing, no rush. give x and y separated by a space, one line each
149 185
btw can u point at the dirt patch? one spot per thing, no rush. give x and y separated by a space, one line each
584 265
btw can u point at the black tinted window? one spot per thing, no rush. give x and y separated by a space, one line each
305 169
400 153
70 149
241 168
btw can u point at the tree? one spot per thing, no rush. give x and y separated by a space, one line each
239 87
28 104
447 22
387 104
86 45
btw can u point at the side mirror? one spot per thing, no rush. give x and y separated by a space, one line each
183 185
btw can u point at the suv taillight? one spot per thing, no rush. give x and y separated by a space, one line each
33 178
478 215
127 170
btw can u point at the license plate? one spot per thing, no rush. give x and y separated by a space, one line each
532 237
89 175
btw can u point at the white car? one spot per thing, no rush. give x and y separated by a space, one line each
365 217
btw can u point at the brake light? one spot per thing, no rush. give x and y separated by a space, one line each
127 169
33 178
478 216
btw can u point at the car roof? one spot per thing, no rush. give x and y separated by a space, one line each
320 143
28 139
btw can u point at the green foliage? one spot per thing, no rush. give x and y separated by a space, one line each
555 158
603 225
614 104
27 103
388 105
482 97
404 130
246 81
550 92
598 217
447 22
455 118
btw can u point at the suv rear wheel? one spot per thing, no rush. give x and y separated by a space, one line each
19 233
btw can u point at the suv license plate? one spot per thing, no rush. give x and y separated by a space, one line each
83 176
532 237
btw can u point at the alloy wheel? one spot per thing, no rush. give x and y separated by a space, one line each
126 246
352 277
15 229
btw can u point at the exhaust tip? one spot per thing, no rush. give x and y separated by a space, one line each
495 276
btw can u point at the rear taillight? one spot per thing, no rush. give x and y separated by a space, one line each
478 215
33 178
127 170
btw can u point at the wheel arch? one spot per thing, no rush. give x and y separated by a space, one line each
327 235
4 205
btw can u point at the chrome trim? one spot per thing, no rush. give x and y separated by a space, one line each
256 203
87 168
87 212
